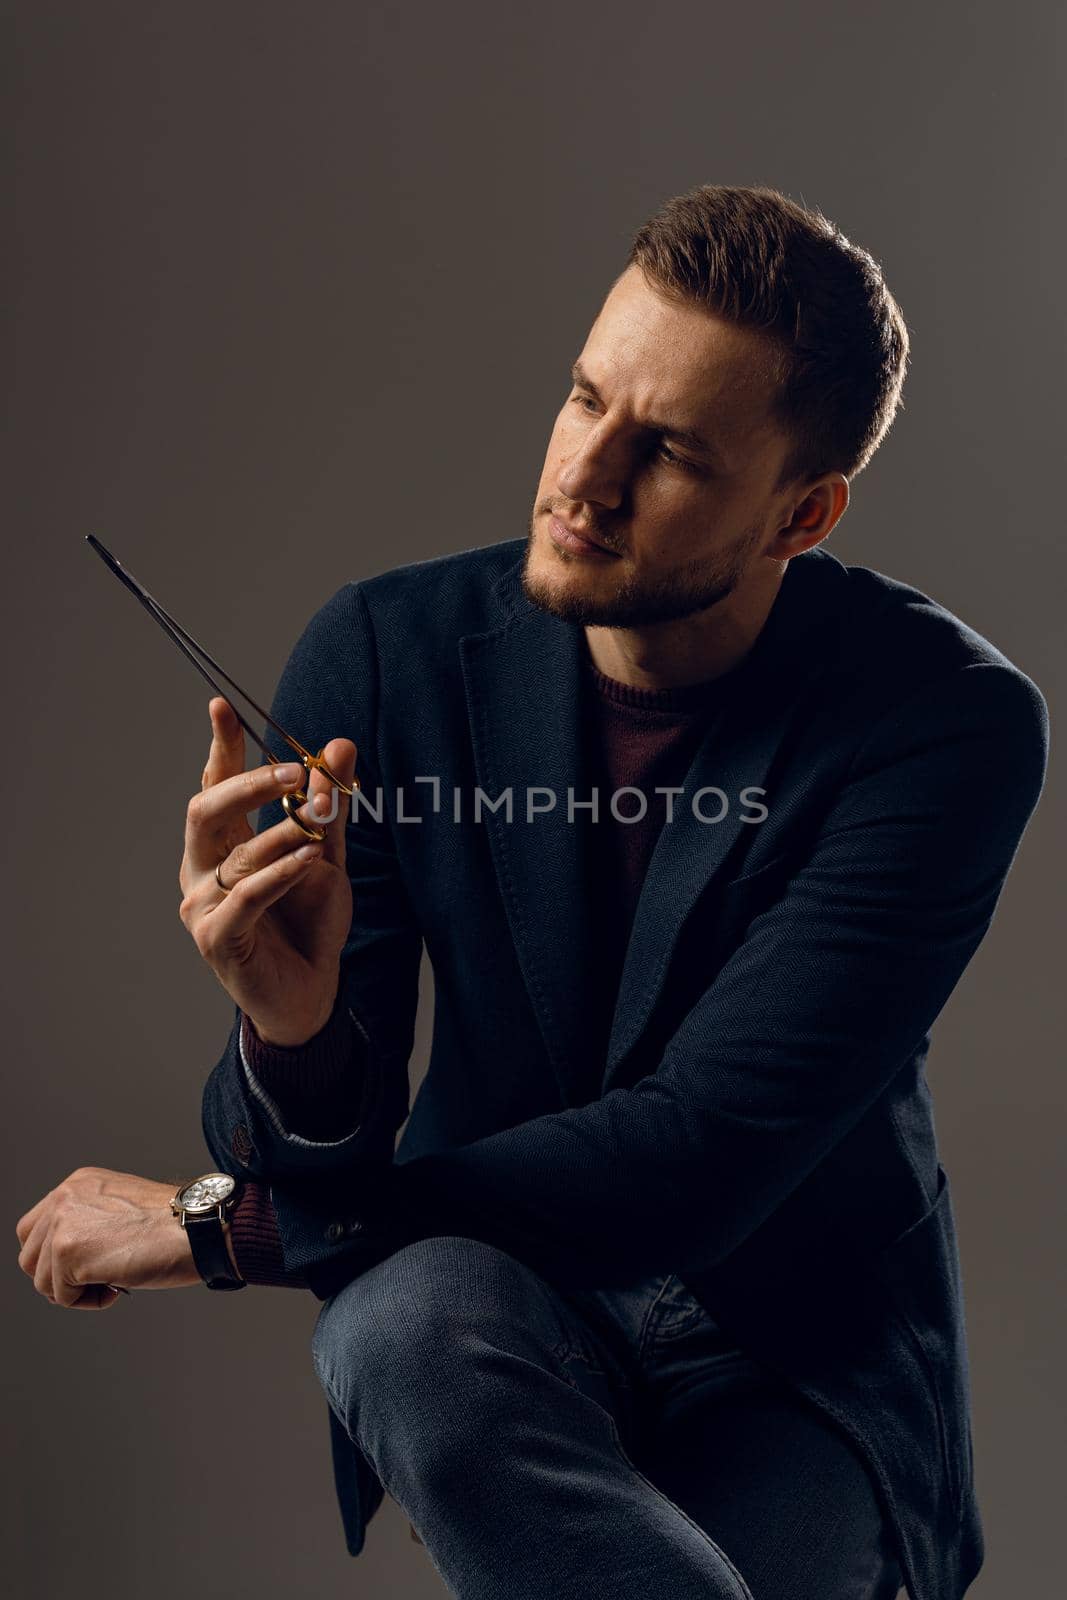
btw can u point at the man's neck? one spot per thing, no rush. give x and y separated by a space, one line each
672 655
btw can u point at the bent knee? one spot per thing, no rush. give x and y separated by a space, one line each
420 1313
415 1305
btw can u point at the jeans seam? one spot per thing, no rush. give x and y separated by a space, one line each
620 1451
645 1340
326 1379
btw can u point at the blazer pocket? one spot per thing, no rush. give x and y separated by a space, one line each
779 864
921 1270
745 897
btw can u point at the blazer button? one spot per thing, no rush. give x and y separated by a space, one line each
335 1231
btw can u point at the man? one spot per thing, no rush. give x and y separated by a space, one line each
699 828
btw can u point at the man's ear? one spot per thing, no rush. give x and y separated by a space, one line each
815 514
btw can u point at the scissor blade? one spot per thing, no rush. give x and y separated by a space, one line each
179 636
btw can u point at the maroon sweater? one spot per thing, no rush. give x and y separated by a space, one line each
640 738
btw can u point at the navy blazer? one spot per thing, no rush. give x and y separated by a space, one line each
763 1126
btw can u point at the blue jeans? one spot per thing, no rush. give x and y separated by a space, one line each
591 1442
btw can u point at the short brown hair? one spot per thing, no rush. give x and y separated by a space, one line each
760 260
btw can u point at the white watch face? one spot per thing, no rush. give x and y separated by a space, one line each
204 1194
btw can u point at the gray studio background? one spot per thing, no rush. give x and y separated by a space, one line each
293 293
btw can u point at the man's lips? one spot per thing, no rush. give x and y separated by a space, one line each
578 539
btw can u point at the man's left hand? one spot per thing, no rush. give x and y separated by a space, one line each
101 1231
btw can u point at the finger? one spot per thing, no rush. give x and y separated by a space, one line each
25 1225
213 815
226 757
42 1277
68 1256
97 1297
31 1247
340 756
65 1291
251 855
242 907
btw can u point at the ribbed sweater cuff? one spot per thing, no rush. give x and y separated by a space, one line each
318 1086
256 1243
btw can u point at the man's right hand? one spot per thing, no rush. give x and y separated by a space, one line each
274 941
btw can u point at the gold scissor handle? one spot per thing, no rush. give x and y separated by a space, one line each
294 799
319 764
291 803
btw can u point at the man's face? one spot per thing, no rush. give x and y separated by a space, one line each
684 521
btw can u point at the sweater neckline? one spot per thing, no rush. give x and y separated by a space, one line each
682 699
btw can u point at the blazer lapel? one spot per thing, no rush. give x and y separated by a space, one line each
688 854
793 650
524 701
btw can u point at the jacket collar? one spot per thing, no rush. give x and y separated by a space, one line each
523 683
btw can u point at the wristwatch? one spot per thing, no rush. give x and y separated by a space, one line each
202 1205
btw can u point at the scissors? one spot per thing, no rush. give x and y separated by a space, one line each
292 801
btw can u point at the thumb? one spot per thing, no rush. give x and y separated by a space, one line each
98 1297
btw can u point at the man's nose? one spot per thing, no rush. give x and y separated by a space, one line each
599 470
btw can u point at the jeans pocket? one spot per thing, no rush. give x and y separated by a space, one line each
675 1311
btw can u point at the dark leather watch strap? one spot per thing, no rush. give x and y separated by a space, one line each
207 1240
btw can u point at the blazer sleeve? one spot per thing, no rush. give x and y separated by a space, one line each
329 689
800 1031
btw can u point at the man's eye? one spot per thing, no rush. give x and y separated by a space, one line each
667 454
664 451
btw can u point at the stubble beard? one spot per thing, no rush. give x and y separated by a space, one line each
692 587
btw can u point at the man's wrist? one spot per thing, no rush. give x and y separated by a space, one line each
282 1037
280 1040
183 1251
184 1248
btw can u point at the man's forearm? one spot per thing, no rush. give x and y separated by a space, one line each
319 1088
